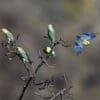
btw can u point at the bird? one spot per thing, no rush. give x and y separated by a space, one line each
86 37
23 55
51 35
9 36
83 40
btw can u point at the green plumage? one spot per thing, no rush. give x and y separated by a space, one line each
9 36
23 55
51 35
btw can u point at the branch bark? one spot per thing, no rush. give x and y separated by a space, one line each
24 88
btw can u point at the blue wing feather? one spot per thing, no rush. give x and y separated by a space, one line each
89 35
78 47
80 39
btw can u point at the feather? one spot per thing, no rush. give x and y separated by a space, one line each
8 35
23 55
51 34
78 47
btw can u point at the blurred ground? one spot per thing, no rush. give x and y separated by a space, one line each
30 18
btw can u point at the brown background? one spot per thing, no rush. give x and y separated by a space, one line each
30 18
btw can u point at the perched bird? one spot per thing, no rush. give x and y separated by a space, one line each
49 50
51 35
9 36
23 55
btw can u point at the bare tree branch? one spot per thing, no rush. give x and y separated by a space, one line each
24 88
12 50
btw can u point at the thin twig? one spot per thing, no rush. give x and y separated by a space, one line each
36 70
41 64
44 84
66 80
61 42
61 92
61 97
29 80
24 88
36 93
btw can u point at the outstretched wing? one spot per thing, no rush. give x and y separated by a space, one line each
89 35
78 47
85 37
